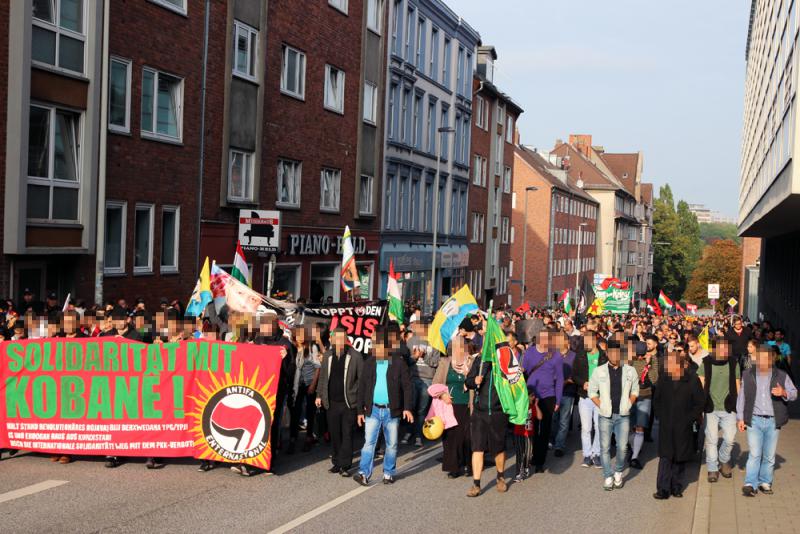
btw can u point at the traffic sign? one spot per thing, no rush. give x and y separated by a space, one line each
732 302
713 291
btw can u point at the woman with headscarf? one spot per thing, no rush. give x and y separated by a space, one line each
452 372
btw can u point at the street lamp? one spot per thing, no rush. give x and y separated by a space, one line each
578 267
525 241
442 130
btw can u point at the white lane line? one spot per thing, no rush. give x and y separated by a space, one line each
30 490
308 516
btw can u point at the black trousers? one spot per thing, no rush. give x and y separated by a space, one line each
542 430
341 421
282 396
456 442
670 475
302 399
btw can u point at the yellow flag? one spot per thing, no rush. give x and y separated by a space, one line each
703 339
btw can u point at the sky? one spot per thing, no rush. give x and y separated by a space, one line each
663 77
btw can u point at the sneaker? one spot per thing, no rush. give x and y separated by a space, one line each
597 463
713 476
725 470
113 462
418 443
618 482
587 462
153 463
246 471
635 463
236 469
361 479
206 465
387 480
64 460
558 453
766 489
608 485
502 487
474 491
749 491
519 478
406 440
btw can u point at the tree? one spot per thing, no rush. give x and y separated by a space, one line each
710 232
721 264
689 230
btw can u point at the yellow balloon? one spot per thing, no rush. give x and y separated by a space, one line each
433 428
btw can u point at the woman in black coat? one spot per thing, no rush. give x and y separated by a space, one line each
678 401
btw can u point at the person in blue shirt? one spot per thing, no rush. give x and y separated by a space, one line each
384 395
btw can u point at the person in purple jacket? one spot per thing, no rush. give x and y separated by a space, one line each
544 370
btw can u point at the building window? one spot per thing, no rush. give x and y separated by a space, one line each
54 140
402 212
421 33
392 119
370 102
289 177
285 281
432 126
468 76
341 5
504 230
502 281
240 176
388 202
58 36
478 227
170 232
178 6
143 239
428 208
510 129
433 69
293 72
506 179
460 71
365 195
119 95
162 105
409 34
396 21
405 109
330 182
334 89
324 282
414 225
245 45
444 149
417 122
480 103
114 253
446 63
374 15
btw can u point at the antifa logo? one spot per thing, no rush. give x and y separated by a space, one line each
236 423
509 364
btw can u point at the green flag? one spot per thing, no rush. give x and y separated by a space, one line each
509 381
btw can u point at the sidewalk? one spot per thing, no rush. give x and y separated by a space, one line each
721 508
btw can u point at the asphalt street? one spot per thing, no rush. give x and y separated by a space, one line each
39 496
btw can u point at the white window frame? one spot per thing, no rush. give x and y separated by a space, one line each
179 111
298 269
480 103
50 181
509 129
252 51
371 210
147 269
507 179
505 230
177 211
337 190
374 22
298 182
328 105
56 28
301 72
126 128
339 5
249 158
171 6
370 116
123 207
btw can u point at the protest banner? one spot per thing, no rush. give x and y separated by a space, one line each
358 318
205 399
614 299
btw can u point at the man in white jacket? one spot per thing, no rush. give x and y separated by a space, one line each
614 387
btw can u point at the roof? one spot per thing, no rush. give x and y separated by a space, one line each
544 168
580 167
647 193
624 167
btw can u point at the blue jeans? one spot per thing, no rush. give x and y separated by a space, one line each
379 418
421 404
589 413
714 422
561 422
641 412
762 440
619 426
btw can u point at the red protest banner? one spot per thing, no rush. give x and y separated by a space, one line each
205 399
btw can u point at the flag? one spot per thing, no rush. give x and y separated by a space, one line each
597 307
240 271
613 282
692 308
524 308
582 303
237 296
65 308
703 338
394 296
564 299
507 376
663 300
201 295
679 307
445 323
350 278
656 308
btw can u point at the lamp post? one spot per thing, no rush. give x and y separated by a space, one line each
578 267
443 130
525 241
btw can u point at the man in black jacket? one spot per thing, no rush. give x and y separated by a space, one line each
384 395
337 391
270 333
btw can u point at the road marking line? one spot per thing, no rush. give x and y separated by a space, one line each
30 490
308 516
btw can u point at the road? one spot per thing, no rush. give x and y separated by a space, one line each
39 496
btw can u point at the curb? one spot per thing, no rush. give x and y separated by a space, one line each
701 521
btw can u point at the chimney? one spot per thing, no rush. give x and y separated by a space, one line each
582 143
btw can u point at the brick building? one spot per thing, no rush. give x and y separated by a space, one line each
562 229
490 192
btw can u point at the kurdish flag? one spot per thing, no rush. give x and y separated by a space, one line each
350 278
564 299
201 295
597 307
240 270
507 376
445 324
663 300
394 296
703 339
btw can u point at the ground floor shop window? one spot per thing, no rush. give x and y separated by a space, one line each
285 282
324 285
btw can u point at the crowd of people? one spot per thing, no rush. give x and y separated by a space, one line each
628 377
